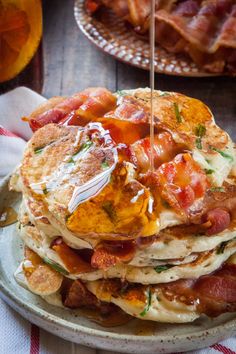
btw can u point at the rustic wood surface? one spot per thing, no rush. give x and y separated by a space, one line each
72 63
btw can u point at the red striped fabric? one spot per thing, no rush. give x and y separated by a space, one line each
6 132
34 340
223 349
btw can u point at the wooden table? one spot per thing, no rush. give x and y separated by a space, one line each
72 63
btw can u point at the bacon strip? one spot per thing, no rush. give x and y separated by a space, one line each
79 108
76 295
203 29
219 219
109 254
73 262
215 294
165 149
179 182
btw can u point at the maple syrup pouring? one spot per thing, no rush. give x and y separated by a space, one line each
152 81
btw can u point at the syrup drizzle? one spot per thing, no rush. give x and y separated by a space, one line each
152 81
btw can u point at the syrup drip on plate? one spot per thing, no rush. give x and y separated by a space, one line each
152 81
8 216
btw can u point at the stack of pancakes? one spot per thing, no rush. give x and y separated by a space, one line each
100 227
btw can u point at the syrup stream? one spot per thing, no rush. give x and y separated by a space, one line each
152 81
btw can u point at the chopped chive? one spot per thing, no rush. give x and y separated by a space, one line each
222 153
121 92
177 113
200 130
124 288
57 267
165 204
162 268
217 189
148 304
67 217
221 247
104 164
163 94
45 191
71 161
198 142
208 171
39 150
84 147
109 209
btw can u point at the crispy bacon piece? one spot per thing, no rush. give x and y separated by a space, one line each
129 109
73 262
78 109
215 294
219 220
76 295
92 6
218 288
179 182
109 254
125 132
98 102
224 200
164 150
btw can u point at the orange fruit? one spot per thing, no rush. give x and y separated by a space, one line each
20 34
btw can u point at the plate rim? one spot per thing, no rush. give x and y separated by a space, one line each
198 74
16 302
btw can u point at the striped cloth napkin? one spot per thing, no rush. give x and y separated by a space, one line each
18 336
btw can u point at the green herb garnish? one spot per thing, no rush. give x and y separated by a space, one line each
121 92
208 171
221 248
109 209
165 204
223 154
149 301
163 94
45 191
105 164
124 288
162 268
84 147
177 113
71 161
67 217
217 189
57 267
198 143
39 150
200 132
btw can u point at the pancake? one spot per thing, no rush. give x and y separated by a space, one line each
162 303
158 303
172 245
162 272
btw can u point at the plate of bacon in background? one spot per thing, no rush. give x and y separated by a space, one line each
193 37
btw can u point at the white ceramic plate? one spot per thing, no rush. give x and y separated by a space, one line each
135 337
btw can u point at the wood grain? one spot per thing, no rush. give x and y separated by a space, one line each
72 63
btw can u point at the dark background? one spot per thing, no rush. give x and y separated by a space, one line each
72 63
